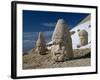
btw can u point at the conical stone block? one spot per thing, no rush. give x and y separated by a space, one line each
41 44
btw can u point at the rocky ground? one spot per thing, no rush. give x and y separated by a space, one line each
34 60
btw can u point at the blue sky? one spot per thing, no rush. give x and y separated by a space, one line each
36 21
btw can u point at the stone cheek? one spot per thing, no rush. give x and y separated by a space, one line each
83 40
41 50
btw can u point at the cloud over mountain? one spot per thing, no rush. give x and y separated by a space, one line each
50 24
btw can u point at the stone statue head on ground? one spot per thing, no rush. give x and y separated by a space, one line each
62 42
83 35
41 44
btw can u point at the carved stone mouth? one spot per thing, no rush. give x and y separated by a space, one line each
57 53
59 59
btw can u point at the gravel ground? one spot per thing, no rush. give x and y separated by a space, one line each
35 61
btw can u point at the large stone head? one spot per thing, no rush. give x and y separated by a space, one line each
83 35
61 39
40 44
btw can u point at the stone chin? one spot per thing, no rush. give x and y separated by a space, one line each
84 41
58 57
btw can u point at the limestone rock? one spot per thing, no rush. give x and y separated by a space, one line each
62 42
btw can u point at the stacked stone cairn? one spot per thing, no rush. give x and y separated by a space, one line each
62 42
83 35
41 44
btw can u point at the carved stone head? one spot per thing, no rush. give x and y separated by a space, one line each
62 43
83 35
40 44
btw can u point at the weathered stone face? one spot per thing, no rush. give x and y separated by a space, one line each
62 42
83 40
40 44
83 35
58 52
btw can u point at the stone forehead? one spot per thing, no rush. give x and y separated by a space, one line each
83 32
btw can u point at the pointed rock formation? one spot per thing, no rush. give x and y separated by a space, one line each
40 44
83 35
62 42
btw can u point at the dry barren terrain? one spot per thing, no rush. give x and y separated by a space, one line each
35 61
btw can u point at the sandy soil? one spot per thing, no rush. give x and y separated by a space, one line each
35 61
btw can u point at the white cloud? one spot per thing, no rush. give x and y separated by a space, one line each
26 41
50 24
